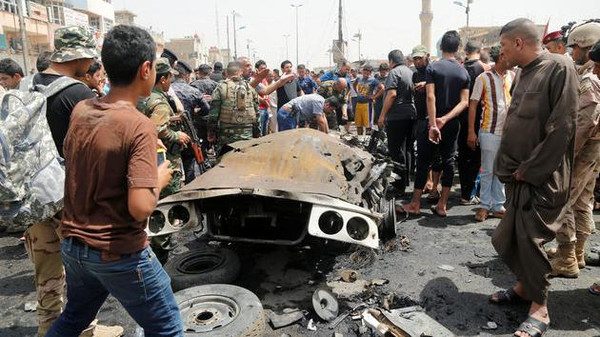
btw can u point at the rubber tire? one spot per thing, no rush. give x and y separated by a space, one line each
250 321
387 229
224 267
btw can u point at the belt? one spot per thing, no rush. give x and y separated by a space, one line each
105 256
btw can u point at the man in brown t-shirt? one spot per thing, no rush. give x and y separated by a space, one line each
112 186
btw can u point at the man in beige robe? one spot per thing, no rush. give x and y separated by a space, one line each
534 161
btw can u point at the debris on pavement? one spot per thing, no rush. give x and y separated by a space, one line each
490 326
349 275
402 243
311 325
325 304
416 323
362 258
347 290
446 267
30 306
289 317
379 282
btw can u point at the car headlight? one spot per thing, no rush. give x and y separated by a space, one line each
357 228
331 222
156 222
178 215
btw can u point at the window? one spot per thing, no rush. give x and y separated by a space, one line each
108 24
95 22
56 15
8 6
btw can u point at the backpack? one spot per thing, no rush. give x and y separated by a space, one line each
238 103
32 175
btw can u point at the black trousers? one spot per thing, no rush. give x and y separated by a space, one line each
399 136
469 161
426 152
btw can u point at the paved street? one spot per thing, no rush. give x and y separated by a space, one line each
286 278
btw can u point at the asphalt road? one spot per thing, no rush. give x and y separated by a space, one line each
286 277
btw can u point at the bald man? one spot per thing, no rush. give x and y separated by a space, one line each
534 161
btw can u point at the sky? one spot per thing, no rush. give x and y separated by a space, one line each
384 24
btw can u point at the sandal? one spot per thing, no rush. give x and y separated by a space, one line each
433 196
533 327
594 289
507 296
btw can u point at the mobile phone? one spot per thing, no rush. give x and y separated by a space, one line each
161 156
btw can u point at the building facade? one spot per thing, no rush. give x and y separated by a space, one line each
189 49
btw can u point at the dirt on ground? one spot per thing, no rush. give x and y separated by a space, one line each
447 265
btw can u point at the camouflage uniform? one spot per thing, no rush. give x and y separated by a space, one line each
157 108
42 242
327 89
234 123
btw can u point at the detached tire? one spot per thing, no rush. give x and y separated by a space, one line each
202 266
220 310
387 229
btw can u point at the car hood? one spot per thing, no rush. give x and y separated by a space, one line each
296 161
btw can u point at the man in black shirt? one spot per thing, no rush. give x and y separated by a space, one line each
447 90
59 106
398 115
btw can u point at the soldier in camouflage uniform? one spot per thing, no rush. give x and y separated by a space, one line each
234 107
158 109
338 89
42 241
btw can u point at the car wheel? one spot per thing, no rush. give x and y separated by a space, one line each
387 229
202 266
220 310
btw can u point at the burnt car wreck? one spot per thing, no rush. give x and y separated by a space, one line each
286 187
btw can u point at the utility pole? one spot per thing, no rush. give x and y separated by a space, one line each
297 38
248 47
287 50
228 47
20 11
340 34
217 24
358 37
234 36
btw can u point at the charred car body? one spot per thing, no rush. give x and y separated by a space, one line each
285 187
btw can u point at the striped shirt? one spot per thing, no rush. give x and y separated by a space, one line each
493 91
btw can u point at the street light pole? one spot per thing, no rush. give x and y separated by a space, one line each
287 50
234 36
24 46
297 39
358 37
467 8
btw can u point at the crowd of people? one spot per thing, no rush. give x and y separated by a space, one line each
522 131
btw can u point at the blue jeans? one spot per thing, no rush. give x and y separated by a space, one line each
285 120
492 190
263 118
137 281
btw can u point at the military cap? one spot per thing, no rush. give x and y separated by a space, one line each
595 52
552 36
584 35
73 43
183 67
419 51
163 67
169 55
